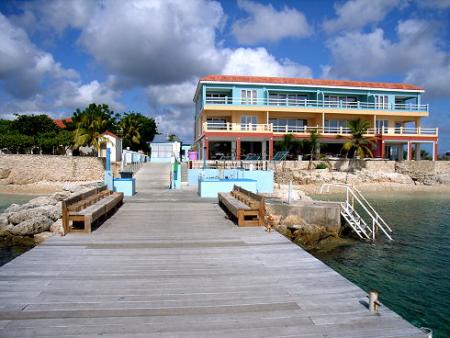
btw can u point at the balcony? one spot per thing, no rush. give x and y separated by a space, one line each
295 103
306 130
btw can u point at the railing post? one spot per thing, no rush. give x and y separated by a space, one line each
419 131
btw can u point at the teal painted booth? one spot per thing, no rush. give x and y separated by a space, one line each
125 185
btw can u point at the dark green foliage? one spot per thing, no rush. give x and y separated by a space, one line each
322 165
173 138
136 131
32 125
358 145
38 133
15 142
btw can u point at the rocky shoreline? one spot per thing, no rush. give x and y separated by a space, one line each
32 222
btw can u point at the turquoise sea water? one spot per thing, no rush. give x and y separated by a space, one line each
7 254
7 199
412 273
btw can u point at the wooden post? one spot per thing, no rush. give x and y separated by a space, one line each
374 304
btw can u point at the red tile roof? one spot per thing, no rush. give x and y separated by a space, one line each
309 82
60 122
110 133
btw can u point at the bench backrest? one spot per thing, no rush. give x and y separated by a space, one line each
250 194
72 200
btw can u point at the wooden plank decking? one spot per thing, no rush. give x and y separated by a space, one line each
169 264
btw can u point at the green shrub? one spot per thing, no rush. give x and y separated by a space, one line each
322 165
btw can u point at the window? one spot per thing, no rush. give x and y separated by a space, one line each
334 126
217 123
381 101
277 99
380 125
248 96
291 125
217 98
248 122
331 101
290 99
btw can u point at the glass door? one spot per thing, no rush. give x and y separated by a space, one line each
248 122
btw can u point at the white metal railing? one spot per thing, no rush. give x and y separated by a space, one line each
291 102
270 128
354 219
132 160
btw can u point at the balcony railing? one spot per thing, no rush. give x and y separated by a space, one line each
287 129
295 103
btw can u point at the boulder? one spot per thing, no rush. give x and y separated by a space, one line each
61 195
72 187
57 227
14 208
443 178
41 201
4 173
3 220
51 211
31 226
41 237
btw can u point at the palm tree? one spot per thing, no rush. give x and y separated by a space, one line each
90 124
314 146
130 129
358 145
173 138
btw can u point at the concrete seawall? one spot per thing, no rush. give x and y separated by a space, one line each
28 169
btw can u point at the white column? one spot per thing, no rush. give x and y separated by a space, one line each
417 156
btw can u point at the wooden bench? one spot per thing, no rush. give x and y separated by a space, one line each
88 207
247 207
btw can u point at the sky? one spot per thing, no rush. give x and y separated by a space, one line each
147 55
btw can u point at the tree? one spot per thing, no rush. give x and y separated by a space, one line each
137 130
91 123
15 142
32 125
358 145
173 138
314 146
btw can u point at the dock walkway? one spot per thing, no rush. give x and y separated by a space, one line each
169 264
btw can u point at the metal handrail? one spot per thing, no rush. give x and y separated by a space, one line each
316 103
375 219
373 209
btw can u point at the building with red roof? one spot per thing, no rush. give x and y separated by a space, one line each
240 117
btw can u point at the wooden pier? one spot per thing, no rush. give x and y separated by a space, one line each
169 264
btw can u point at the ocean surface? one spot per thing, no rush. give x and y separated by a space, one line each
412 273
7 254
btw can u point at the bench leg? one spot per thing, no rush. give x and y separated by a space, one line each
241 218
87 224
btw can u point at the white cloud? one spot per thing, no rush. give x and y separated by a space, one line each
23 66
75 94
172 94
434 4
265 23
55 15
248 61
416 55
34 81
155 42
356 14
